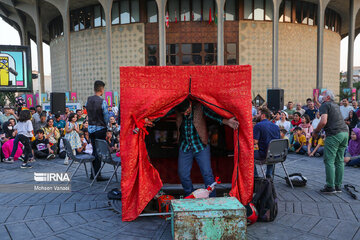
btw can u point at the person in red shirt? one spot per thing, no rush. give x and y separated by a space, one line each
297 119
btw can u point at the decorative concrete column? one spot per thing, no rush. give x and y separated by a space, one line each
63 7
354 8
320 43
275 44
162 32
107 5
220 32
33 9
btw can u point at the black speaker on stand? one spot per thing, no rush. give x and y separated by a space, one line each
275 99
57 103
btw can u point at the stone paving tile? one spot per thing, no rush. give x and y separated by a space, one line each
35 212
306 223
18 213
56 223
19 231
51 209
325 227
39 227
5 212
67 208
344 231
4 235
73 219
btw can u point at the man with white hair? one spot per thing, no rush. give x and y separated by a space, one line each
336 141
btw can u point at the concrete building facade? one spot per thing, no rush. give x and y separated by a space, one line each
298 53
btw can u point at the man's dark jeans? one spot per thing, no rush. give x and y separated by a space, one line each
27 148
269 168
101 134
41 154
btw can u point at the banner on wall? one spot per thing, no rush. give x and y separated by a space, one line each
116 98
67 97
316 93
29 100
353 94
44 97
72 106
36 99
73 97
109 98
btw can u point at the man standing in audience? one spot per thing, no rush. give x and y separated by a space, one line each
98 116
264 132
306 107
345 108
355 106
8 114
337 134
311 111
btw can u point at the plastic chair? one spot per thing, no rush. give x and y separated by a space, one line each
277 153
104 153
82 159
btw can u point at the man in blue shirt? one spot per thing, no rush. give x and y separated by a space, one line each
264 132
98 116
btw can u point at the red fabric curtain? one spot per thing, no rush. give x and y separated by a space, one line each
153 91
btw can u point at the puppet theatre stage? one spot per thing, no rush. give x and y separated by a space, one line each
151 92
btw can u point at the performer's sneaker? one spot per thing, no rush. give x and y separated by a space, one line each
328 189
338 189
21 158
25 165
66 161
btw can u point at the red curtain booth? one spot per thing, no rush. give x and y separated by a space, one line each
150 92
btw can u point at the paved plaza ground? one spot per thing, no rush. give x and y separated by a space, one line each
85 213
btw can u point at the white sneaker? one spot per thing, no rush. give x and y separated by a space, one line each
66 161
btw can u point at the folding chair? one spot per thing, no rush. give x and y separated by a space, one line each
277 153
104 153
82 159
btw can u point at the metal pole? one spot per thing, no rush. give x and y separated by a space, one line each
275 46
350 61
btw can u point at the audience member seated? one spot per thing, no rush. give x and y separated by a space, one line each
86 147
59 124
315 146
8 128
111 113
84 126
80 117
52 134
308 101
345 108
62 151
311 111
8 114
276 117
264 132
283 123
299 141
7 148
41 146
297 119
299 109
316 121
290 110
306 126
352 120
114 128
42 123
112 143
352 154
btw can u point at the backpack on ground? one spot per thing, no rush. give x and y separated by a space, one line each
265 199
297 179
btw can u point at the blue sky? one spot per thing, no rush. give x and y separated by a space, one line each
12 38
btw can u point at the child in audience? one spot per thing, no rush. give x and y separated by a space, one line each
315 146
86 146
72 134
283 133
297 119
111 141
24 133
306 126
299 141
352 154
41 146
316 121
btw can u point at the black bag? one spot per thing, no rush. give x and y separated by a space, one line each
265 199
297 179
114 194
